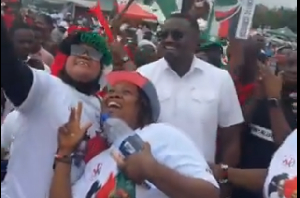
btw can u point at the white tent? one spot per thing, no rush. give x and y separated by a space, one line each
81 3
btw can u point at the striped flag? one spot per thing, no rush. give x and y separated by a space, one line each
231 18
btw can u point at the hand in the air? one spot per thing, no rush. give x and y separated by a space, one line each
137 167
272 84
117 48
72 133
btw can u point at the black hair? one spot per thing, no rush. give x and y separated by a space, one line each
47 18
146 25
275 183
143 55
17 26
148 36
193 23
145 114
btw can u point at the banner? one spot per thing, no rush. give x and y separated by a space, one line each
231 18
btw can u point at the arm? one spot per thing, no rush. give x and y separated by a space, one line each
279 125
180 170
230 122
16 78
8 130
235 50
61 182
252 180
175 185
249 108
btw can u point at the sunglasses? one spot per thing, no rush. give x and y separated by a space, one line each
78 50
175 34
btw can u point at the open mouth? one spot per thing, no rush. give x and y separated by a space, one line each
170 48
82 63
114 105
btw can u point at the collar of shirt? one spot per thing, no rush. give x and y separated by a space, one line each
197 64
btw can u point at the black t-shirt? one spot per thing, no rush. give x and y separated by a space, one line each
258 146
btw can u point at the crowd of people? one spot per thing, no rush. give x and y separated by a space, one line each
209 130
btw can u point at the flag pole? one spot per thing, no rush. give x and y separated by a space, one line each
119 15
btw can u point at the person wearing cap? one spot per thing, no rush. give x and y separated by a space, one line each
43 103
145 54
213 49
169 160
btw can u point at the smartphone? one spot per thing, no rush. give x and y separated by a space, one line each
262 57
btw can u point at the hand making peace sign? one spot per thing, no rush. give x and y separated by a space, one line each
71 133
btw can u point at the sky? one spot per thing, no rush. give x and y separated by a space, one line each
278 3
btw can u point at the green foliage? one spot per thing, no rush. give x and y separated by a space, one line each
276 18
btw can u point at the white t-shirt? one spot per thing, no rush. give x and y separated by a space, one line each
46 108
282 177
169 146
9 130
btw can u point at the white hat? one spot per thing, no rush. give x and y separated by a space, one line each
63 24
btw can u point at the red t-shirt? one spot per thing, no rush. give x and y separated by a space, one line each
244 92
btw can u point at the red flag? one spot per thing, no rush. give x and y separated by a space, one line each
97 11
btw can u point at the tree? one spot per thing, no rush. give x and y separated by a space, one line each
275 18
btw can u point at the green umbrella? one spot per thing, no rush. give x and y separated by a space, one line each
284 32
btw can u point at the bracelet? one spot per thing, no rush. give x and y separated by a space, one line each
66 159
224 178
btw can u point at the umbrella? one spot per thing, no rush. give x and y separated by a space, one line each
136 11
285 32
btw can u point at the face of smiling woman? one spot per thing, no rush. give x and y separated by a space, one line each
122 101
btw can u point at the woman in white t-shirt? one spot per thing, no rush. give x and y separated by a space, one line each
279 181
170 162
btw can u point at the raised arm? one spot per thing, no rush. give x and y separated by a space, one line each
16 77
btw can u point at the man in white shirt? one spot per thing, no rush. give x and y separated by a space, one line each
194 95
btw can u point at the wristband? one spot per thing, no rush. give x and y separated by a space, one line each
224 176
66 159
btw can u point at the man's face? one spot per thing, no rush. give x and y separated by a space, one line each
175 38
23 42
290 69
38 39
214 55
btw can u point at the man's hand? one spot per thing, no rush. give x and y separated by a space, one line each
272 84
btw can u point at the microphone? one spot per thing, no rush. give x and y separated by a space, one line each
123 138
